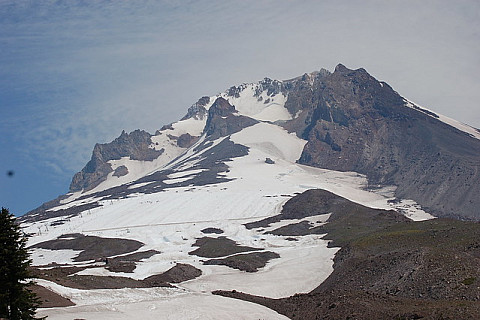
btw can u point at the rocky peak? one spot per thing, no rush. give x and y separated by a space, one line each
353 122
221 107
341 68
135 145
223 120
273 87
198 110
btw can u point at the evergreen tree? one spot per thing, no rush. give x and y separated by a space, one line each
17 301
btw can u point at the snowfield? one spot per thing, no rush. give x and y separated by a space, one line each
152 303
170 221
262 107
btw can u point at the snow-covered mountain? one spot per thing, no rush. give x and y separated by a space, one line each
190 195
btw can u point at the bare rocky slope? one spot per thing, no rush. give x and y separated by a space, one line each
353 122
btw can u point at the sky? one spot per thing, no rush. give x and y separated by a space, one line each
75 73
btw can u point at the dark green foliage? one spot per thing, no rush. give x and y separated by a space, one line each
469 281
17 301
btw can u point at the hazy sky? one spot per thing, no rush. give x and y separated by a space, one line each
74 73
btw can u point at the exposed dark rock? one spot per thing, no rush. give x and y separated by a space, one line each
269 161
183 141
300 90
32 214
392 269
222 120
164 128
121 266
352 123
120 171
273 87
126 263
249 262
135 145
348 220
221 107
218 247
295 229
179 273
58 222
197 110
93 248
66 276
186 140
40 213
355 123
214 161
50 299
212 230
359 305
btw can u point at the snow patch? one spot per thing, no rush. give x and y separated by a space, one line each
139 185
177 180
260 107
45 256
192 126
272 140
315 221
185 173
473 132
152 304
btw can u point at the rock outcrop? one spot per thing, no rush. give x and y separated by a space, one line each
135 145
197 110
353 122
223 121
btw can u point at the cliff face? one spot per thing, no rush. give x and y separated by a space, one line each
223 121
353 122
135 145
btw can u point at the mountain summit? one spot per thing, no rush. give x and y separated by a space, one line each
348 121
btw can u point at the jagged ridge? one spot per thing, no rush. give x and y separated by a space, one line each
351 122
135 145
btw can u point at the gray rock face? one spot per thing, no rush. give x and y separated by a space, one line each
352 122
120 171
135 145
186 140
197 110
222 120
269 161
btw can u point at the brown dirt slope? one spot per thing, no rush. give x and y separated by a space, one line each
50 299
